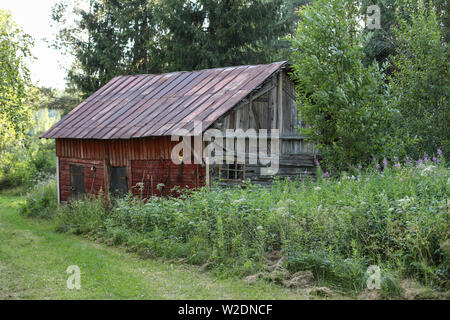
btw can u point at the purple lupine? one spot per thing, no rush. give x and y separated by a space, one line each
420 161
439 152
408 160
326 175
397 165
436 160
425 158
359 167
385 162
378 166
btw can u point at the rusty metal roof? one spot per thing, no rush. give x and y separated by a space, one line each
158 104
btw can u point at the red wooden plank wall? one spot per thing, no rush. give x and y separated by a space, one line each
93 180
150 173
118 151
149 158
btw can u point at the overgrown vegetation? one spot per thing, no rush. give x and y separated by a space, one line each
41 201
358 108
26 162
396 218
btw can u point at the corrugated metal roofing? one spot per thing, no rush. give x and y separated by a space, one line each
158 104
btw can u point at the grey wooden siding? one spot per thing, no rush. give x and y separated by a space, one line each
261 110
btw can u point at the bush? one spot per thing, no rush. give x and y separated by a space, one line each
26 162
41 201
395 218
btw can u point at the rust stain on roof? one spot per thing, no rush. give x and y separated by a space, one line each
159 104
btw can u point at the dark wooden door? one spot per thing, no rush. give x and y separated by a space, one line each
118 181
76 181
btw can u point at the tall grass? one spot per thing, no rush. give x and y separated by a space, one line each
41 201
396 218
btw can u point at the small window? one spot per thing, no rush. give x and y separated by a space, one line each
233 171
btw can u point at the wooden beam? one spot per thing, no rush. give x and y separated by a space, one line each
273 105
129 175
280 101
58 190
207 173
106 175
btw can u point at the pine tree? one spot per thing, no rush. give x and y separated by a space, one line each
117 37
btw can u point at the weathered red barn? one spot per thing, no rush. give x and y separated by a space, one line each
119 139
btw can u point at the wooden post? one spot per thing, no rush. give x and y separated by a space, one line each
57 181
106 176
129 175
207 172
280 101
273 104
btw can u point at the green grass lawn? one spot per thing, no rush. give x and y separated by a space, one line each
34 259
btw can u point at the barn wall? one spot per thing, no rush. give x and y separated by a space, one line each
117 152
261 111
93 180
147 174
147 162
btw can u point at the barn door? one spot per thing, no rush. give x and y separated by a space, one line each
118 181
76 181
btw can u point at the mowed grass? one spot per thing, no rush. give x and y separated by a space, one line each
34 259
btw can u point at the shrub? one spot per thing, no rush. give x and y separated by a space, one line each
395 218
41 201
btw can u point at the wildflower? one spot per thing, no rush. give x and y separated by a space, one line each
439 152
425 158
282 210
239 201
259 228
378 166
385 162
420 161
359 167
290 202
397 165
317 188
436 160
326 175
408 160
426 170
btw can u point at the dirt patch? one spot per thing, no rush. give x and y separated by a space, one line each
370 295
323 292
275 272
253 278
415 291
301 279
